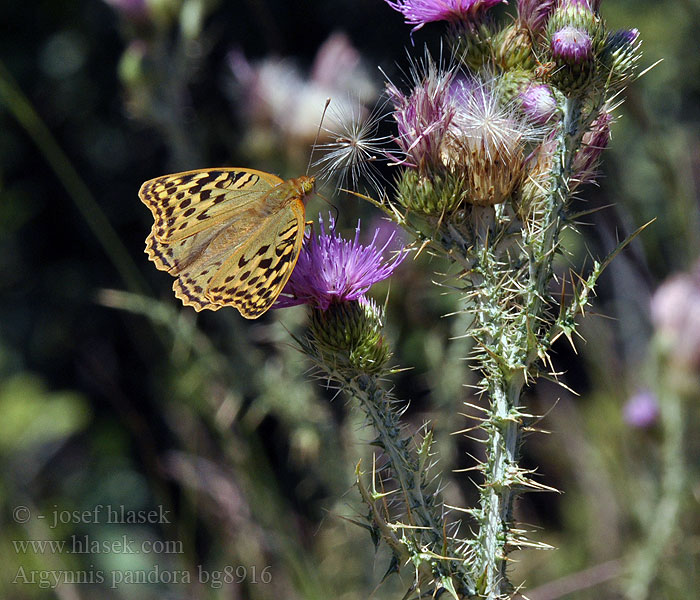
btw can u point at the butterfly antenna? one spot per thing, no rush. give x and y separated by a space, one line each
333 206
318 133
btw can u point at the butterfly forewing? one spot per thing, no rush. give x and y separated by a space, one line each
231 237
185 203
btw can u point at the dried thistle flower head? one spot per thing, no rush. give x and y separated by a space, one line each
487 142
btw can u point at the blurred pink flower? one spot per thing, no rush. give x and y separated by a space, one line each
675 312
284 103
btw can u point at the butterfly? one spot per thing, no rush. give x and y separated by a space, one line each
230 236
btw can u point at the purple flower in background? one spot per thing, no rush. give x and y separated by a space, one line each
641 410
534 14
538 103
420 12
675 312
572 45
331 269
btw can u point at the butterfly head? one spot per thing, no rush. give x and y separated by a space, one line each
306 185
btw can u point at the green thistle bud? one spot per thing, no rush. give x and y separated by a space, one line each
620 55
513 48
473 50
349 335
441 193
574 13
512 83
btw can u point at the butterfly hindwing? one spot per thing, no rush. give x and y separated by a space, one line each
252 278
185 203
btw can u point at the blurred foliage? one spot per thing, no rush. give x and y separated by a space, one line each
113 394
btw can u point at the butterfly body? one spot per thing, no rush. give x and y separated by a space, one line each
230 236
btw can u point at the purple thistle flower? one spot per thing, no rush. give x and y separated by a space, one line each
331 269
420 12
538 103
423 118
534 14
572 45
641 410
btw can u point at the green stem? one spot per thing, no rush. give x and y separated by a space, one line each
499 489
664 520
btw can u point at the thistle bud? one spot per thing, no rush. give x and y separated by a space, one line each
349 335
574 36
513 48
538 103
534 14
572 52
620 55
594 141
440 194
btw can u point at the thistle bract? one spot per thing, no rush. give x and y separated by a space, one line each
533 14
350 335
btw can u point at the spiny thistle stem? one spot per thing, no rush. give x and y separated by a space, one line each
420 537
514 341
